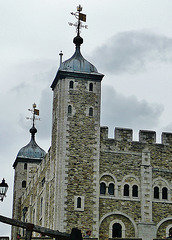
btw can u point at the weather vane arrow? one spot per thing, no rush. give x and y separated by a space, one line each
35 112
81 17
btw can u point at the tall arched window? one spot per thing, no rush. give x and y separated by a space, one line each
71 84
164 193
135 191
102 188
111 189
156 192
91 87
116 230
79 202
126 190
23 184
90 111
69 110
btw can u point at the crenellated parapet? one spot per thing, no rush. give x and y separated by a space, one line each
166 138
145 136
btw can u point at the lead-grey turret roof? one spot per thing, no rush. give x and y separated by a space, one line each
31 152
77 63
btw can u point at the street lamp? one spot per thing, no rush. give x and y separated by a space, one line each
3 189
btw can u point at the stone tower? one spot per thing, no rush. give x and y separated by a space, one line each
76 142
27 159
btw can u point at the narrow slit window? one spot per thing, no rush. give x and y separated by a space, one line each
91 87
71 84
25 166
90 111
69 110
23 184
79 202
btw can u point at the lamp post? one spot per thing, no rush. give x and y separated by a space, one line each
3 189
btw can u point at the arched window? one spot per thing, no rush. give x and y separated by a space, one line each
164 193
135 191
78 202
156 192
23 184
111 189
116 230
102 188
71 84
126 190
91 87
90 111
69 110
25 166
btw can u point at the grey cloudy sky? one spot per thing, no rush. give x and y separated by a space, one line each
128 41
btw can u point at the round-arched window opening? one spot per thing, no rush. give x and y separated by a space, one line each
135 191
126 190
156 192
102 188
116 230
111 189
164 193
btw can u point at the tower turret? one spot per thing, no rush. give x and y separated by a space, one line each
28 157
76 141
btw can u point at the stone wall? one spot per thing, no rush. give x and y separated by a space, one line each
143 163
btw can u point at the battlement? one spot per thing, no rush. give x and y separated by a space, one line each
145 136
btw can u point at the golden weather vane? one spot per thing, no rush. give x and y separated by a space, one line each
81 17
35 112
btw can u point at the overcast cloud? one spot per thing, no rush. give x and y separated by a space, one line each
128 112
133 51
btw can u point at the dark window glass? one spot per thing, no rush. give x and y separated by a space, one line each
102 188
90 87
71 84
164 193
91 111
117 230
111 189
156 192
78 202
126 190
135 191
24 184
69 110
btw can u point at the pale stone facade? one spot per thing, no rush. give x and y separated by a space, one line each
115 187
